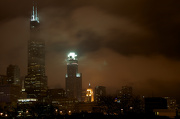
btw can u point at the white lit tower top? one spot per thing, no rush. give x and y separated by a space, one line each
72 65
72 56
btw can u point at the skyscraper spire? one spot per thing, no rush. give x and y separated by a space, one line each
35 13
32 17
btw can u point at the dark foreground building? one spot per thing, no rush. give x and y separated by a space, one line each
152 103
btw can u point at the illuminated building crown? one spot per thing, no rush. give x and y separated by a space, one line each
72 56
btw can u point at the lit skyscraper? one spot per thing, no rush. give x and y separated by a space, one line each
36 81
73 78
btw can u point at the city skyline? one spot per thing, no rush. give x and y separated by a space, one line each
118 43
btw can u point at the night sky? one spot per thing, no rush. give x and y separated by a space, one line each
118 42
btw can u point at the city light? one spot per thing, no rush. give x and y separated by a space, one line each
78 75
27 100
60 112
69 112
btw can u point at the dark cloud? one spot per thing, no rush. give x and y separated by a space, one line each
90 42
138 44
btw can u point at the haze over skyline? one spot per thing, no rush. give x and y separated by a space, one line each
119 42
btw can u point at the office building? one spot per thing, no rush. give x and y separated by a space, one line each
124 95
35 83
73 78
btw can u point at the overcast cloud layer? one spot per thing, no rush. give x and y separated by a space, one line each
119 42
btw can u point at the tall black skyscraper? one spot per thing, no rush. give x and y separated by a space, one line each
36 81
73 78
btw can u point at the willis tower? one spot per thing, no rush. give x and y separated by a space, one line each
35 83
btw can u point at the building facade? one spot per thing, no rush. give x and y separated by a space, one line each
73 78
35 83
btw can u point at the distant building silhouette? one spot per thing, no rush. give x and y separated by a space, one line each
35 83
13 75
100 92
73 78
124 95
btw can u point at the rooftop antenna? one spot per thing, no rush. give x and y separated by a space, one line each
36 13
32 19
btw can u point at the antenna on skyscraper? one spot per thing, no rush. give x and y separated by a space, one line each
33 16
36 12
